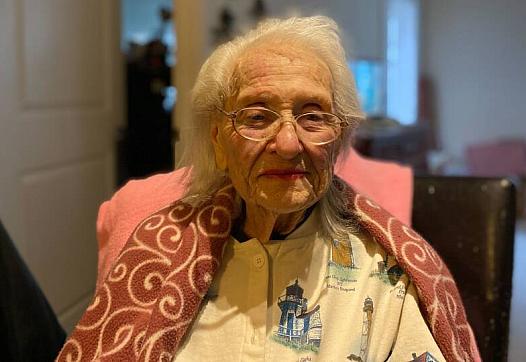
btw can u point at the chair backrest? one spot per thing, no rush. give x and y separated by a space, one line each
470 222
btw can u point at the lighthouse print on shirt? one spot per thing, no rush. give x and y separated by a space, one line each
299 327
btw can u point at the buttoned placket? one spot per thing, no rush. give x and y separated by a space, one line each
257 292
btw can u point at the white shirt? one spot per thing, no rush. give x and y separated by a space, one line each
307 298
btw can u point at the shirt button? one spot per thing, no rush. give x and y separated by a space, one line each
259 261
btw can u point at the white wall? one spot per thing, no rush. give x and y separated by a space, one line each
475 53
191 50
362 22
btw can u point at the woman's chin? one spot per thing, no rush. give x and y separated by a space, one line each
287 202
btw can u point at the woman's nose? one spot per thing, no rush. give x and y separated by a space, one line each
286 143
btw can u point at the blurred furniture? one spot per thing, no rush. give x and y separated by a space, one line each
388 140
470 222
499 158
505 157
29 330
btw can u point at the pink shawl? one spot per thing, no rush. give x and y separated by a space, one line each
149 300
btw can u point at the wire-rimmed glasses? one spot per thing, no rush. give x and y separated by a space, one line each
262 124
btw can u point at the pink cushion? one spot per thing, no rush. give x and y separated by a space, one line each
387 183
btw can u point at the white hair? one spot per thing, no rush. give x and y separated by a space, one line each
216 83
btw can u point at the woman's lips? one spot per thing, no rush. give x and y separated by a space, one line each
285 174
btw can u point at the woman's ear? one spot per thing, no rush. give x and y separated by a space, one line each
221 159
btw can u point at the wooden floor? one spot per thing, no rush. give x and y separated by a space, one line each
517 346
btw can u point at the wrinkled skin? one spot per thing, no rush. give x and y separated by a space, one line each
281 178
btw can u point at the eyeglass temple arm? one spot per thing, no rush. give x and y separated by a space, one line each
228 114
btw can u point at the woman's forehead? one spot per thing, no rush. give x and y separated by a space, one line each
268 57
262 72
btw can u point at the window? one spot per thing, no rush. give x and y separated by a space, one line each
402 60
390 87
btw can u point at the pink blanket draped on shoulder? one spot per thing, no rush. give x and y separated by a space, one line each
143 308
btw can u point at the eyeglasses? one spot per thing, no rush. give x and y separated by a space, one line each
262 124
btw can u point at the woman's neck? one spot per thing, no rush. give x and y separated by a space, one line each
260 223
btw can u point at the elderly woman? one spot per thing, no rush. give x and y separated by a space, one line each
268 255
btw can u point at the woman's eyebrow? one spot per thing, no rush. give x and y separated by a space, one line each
312 105
316 100
256 98
255 104
269 98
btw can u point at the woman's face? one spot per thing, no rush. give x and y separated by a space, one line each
282 174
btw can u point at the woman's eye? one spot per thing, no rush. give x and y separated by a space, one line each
256 117
313 117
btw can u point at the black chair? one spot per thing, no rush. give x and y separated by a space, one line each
471 223
29 330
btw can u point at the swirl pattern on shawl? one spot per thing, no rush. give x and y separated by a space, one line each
142 310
